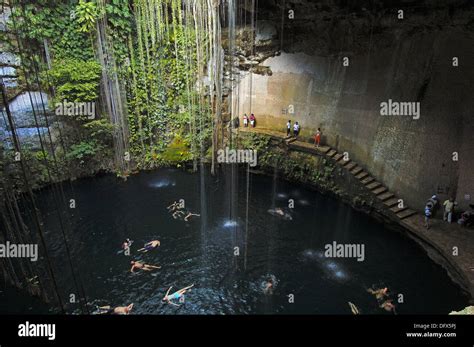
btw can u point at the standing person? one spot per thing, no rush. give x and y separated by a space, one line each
317 137
428 213
252 120
449 209
246 121
296 129
288 128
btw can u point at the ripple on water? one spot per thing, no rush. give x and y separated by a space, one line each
331 268
112 210
163 183
229 223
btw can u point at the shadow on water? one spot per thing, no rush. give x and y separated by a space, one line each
209 251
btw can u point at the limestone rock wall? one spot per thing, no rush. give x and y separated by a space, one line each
411 63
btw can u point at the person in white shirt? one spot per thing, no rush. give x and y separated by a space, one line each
296 129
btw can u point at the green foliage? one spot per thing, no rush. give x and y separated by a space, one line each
42 20
100 129
84 151
299 167
120 27
86 14
163 100
177 151
154 56
76 80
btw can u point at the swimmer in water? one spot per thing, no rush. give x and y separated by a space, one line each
149 246
178 214
379 293
174 206
117 310
176 295
127 243
388 306
354 308
142 266
279 211
189 215
268 288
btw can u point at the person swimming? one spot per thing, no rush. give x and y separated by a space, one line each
189 215
268 287
178 214
379 293
388 306
176 295
354 308
149 246
120 310
143 266
174 206
279 212
127 243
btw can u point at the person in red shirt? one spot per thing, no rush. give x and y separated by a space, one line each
317 137
252 120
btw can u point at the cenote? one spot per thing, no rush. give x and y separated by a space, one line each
234 213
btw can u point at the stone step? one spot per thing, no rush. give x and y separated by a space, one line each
331 153
379 190
406 213
338 156
367 180
373 185
362 175
391 202
323 149
385 196
397 209
356 170
345 162
350 166
290 140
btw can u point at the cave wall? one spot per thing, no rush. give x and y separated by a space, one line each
413 158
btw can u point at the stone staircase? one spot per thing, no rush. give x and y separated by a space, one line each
389 200
381 192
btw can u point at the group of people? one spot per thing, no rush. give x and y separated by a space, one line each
177 211
296 128
383 298
465 218
250 119
137 265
